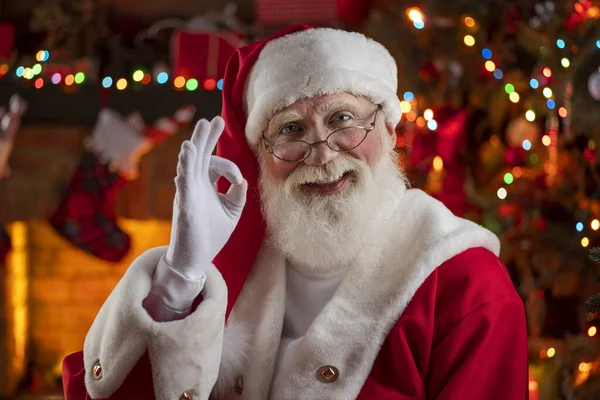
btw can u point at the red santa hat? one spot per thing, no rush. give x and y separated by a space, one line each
266 76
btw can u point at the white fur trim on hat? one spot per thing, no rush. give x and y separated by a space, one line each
316 62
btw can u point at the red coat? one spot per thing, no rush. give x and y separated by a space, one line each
462 336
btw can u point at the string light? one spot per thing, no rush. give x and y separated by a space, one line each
191 84
409 96
592 331
432 124
560 44
509 178
547 72
595 225
415 14
585 242
534 83
138 75
37 69
551 104
405 106
526 145
469 40
56 78
469 22
220 84
162 77
107 82
438 163
419 24
428 114
42 55
546 141
421 122
498 74
565 63
486 53
179 82
547 92
147 79
502 193
490 66
39 82
509 88
69 79
514 97
551 352
121 84
579 226
411 116
20 71
79 78
210 84
530 115
562 112
28 74
3 69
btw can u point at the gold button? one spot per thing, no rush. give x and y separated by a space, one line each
328 374
239 384
187 395
97 371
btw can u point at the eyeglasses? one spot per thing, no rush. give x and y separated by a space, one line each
340 140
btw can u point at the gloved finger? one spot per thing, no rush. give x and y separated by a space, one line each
235 199
216 129
223 167
185 171
199 138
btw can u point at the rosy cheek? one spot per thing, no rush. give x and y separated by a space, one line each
281 169
369 150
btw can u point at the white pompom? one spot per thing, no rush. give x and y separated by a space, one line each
594 85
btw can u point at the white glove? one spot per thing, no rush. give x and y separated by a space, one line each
203 218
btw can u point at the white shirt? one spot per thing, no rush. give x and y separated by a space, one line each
306 295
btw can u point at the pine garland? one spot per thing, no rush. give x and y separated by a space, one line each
592 305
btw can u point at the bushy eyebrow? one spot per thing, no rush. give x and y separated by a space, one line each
284 117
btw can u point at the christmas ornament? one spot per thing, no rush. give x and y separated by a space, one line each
520 130
594 85
86 217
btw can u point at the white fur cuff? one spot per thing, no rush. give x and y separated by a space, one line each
185 354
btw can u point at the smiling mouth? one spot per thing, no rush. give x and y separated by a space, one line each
331 185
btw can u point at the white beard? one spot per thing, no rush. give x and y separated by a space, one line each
330 233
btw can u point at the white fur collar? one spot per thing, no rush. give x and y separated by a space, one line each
366 305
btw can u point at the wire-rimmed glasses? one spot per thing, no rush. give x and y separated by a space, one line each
340 140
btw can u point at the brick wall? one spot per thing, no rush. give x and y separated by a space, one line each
64 287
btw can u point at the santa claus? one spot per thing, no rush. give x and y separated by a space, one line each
311 270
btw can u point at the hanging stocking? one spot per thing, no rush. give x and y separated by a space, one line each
86 216
10 121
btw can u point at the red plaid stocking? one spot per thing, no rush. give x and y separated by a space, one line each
86 215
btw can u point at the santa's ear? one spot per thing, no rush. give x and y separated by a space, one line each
391 132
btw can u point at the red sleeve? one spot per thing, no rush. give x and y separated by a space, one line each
138 384
480 350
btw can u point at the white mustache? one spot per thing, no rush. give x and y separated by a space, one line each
330 172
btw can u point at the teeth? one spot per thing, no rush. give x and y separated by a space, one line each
330 180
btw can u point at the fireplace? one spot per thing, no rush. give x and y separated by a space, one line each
51 292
